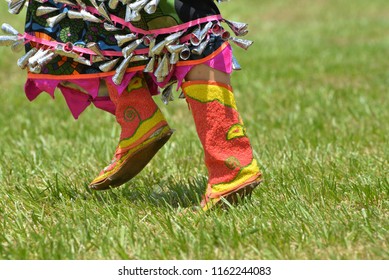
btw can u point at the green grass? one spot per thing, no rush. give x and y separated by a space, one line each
314 96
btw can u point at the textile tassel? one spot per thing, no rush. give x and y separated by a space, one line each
93 46
121 70
104 12
151 7
235 64
112 4
9 29
200 48
18 46
8 40
244 44
83 60
108 66
56 19
150 65
110 27
122 39
167 94
23 61
15 6
163 69
199 34
127 51
43 10
239 28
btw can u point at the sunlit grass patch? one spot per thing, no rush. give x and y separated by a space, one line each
314 97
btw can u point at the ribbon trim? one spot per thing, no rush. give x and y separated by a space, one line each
159 31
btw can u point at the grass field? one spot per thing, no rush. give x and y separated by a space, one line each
314 95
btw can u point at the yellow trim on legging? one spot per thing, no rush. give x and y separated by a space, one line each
165 130
243 176
143 128
205 93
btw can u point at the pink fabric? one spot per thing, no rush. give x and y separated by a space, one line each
104 103
34 87
54 44
125 82
91 86
78 101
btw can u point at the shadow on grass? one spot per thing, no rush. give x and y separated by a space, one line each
169 192
166 193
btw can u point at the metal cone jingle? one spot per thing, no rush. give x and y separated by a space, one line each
122 39
7 28
121 70
15 6
55 19
108 66
151 7
112 4
23 61
244 44
43 10
8 40
104 12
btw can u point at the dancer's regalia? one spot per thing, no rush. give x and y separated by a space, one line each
116 54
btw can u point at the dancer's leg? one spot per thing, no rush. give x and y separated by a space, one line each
144 131
231 166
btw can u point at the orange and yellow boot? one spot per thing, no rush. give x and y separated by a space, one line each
144 131
232 169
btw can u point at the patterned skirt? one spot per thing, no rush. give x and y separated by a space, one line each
84 42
